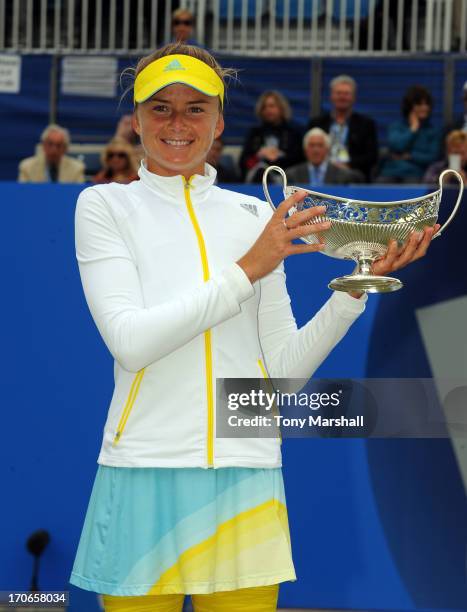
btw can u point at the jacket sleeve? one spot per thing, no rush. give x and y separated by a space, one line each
368 153
79 174
137 335
22 173
296 353
293 148
429 152
400 137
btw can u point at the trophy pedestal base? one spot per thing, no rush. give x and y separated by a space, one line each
367 283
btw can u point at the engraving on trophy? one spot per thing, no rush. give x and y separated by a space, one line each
361 230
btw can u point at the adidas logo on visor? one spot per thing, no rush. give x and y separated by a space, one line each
174 65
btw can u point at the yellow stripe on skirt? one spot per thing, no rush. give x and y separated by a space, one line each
160 531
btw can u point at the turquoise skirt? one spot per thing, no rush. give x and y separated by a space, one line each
183 530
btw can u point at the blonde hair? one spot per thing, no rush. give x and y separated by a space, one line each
122 144
456 137
178 48
281 102
182 12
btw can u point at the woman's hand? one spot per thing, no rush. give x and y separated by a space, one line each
396 257
414 248
275 242
414 121
271 153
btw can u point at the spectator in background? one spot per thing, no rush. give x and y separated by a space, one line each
354 140
225 174
456 25
413 141
51 164
126 132
319 169
456 158
118 163
275 141
183 22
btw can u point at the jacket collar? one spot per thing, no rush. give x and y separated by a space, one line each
173 186
43 166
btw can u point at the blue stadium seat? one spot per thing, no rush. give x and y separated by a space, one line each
350 9
237 8
91 161
293 8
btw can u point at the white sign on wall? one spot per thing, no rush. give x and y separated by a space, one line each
10 73
89 76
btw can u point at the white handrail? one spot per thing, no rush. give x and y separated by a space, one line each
245 27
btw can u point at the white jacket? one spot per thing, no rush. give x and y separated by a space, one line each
157 263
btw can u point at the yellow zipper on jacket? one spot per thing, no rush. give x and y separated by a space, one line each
128 405
265 376
207 333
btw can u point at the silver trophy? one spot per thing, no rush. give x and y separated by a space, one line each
362 230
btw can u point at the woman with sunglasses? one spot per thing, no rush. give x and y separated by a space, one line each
182 27
185 282
118 163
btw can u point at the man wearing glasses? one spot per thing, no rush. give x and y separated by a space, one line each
51 164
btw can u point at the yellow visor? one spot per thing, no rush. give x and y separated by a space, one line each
177 69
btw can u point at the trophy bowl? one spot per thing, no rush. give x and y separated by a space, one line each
362 230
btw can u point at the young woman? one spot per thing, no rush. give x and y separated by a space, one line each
185 282
414 143
276 140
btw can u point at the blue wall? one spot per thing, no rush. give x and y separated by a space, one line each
375 524
24 115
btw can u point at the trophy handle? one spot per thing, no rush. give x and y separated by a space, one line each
458 201
265 183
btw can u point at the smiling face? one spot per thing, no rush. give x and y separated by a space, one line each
177 126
